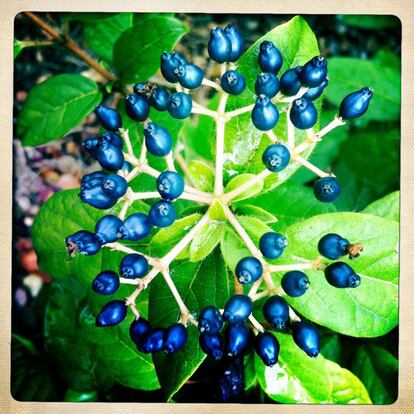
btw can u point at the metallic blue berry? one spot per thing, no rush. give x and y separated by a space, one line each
139 330
306 337
314 93
267 347
248 270
83 242
169 62
236 41
96 197
106 229
157 139
112 313
314 72
133 266
109 156
162 214
290 82
295 283
176 337
326 189
219 46
180 105
90 145
106 283
189 76
137 107
270 58
341 275
237 309
272 245
237 338
210 320
170 185
231 384
154 341
276 157
276 312
212 344
264 114
355 104
233 82
108 117
303 113
333 246
92 179
112 138
115 185
159 99
267 84
135 227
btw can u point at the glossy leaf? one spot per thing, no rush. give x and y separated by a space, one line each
256 212
370 22
387 207
238 181
206 240
201 175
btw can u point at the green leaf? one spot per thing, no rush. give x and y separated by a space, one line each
201 175
387 207
292 379
331 347
370 22
89 17
197 290
56 106
369 310
101 35
140 18
386 81
149 41
256 212
216 211
378 370
18 46
206 240
76 396
238 181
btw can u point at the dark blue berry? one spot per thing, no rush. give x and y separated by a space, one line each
212 345
96 197
133 266
115 185
92 179
314 93
112 313
113 138
237 309
90 145
237 338
135 227
180 105
139 330
106 283
267 84
109 118
236 41
159 99
210 320
233 82
355 104
106 229
290 82
126 168
276 157
276 312
303 114
332 246
219 46
326 189
154 341
170 185
157 139
176 337
248 270
264 114
314 72
267 347
141 88
109 156
162 213
306 337
341 275
189 76
270 58
83 242
231 384
137 107
295 283
272 245
169 62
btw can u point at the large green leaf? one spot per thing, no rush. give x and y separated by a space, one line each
206 240
378 370
370 22
387 207
56 106
369 310
199 284
137 51
297 378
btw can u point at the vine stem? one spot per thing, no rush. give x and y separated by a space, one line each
239 111
294 266
290 99
214 85
311 167
128 250
203 111
154 194
272 136
125 136
71 45
170 162
125 208
256 324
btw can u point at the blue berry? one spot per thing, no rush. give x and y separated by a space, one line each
135 227
272 245
236 41
233 82
141 88
126 168
267 84
133 266
303 113
237 309
96 197
113 138
290 82
176 337
355 104
264 114
237 338
106 229
267 347
270 58
180 105
332 246
162 214
306 337
109 156
295 283
159 99
170 185
115 185
92 179
276 157
219 46
169 62
231 384
90 145
139 330
341 275
212 345
326 189
276 312
109 118
154 341
137 107
314 72
157 139
248 270
106 283
83 242
314 93
112 313
210 320
189 76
